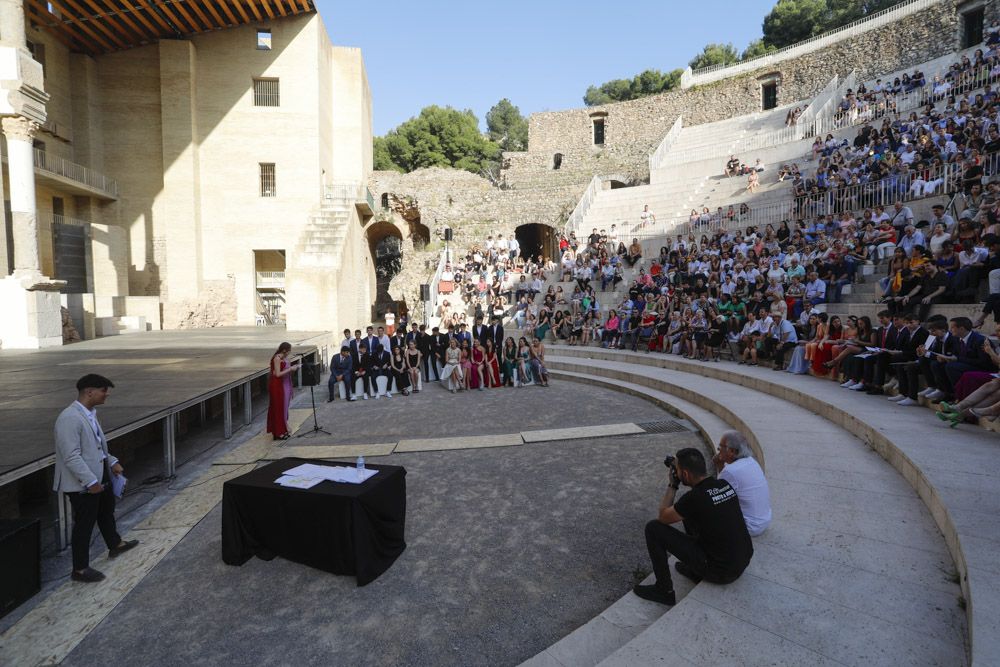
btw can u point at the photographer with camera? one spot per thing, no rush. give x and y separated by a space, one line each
715 545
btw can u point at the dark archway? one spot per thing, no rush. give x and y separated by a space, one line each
419 233
535 239
615 185
386 246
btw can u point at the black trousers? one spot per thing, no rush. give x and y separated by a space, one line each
430 364
90 509
663 540
780 350
908 374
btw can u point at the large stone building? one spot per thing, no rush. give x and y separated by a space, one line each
181 165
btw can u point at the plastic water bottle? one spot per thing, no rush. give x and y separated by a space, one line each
361 468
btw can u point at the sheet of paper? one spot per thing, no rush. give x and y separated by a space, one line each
298 482
874 349
345 474
118 485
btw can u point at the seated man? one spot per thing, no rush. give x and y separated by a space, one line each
341 370
715 545
736 465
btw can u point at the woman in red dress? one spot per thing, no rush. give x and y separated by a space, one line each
279 390
492 366
824 351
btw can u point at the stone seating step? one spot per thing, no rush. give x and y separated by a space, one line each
957 491
775 609
630 615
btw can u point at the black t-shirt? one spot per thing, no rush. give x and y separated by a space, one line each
712 512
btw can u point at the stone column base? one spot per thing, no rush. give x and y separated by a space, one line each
31 317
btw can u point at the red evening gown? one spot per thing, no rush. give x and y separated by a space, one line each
477 358
279 390
823 354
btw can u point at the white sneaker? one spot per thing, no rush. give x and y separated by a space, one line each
847 385
388 394
354 398
907 401
935 395
897 397
375 397
364 396
857 386
926 391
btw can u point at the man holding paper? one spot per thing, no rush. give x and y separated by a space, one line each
85 471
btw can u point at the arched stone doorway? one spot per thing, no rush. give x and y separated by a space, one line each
385 242
537 239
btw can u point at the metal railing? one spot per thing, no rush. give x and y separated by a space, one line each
576 217
656 158
885 192
435 280
862 25
270 279
77 172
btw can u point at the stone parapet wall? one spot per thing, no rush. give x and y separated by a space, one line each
633 129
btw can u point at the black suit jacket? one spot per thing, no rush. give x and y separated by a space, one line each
439 344
356 352
496 333
397 340
972 352
481 333
885 337
948 348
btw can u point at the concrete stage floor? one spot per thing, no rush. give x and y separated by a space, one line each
152 372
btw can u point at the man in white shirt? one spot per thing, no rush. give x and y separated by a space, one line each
646 216
515 248
901 216
911 238
939 217
501 245
735 464
782 339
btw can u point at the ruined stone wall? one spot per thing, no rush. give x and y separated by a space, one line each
633 129
470 205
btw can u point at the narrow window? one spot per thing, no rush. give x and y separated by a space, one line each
769 95
598 132
266 93
263 39
972 27
268 186
557 160
385 200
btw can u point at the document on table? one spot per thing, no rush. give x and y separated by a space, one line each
316 474
298 482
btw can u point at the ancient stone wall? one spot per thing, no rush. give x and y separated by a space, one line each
633 129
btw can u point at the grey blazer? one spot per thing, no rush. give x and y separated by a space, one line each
78 451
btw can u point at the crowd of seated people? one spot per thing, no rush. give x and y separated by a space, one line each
869 103
477 357
754 297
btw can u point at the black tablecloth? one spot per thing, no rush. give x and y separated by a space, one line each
340 528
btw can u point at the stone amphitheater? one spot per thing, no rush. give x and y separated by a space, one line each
882 550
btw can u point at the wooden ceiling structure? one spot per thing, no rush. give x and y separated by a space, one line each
97 27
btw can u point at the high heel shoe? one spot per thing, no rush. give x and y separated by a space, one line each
952 418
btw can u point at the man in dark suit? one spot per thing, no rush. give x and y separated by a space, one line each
381 366
371 340
363 370
969 356
480 331
341 369
873 375
939 342
436 344
356 348
903 361
463 335
496 333
397 340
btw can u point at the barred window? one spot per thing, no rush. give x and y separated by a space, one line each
266 93
268 185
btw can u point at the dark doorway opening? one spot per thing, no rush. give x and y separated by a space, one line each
598 131
386 245
972 27
769 95
535 239
557 160
419 233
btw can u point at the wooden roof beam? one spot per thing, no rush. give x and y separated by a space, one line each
122 21
101 25
105 45
55 27
253 8
151 29
150 9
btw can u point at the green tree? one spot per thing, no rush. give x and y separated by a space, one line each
507 127
792 21
438 137
715 54
757 47
650 82
380 156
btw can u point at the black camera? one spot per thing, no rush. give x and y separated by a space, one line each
669 461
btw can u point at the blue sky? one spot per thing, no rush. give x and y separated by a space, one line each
541 54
